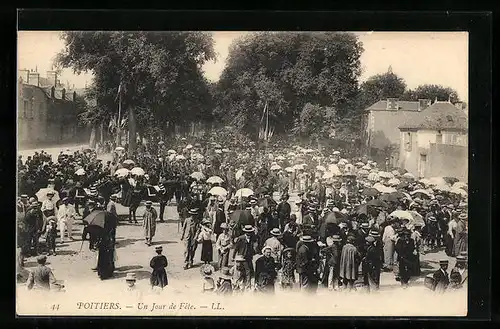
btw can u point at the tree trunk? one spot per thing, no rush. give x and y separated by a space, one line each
93 141
102 133
132 130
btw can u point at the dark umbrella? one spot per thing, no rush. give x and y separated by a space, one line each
96 218
267 202
335 217
242 217
370 191
377 203
365 209
451 180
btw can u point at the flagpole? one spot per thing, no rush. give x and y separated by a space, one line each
119 121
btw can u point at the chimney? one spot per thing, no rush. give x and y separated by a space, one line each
423 104
392 104
24 75
34 79
52 77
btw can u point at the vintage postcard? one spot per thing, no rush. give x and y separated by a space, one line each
242 173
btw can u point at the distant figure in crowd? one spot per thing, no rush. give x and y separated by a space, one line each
288 269
149 222
158 263
307 263
349 263
245 245
189 232
405 248
224 285
205 237
223 246
459 274
51 234
66 216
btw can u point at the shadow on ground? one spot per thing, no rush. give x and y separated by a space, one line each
128 268
156 243
139 274
126 242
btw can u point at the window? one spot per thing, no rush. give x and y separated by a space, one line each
408 141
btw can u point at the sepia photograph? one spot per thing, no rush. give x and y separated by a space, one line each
237 173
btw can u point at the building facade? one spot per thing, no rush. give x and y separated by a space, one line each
381 135
435 144
47 113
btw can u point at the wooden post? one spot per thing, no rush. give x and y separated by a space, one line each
132 130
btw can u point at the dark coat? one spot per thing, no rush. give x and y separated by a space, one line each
284 211
265 272
247 250
159 275
307 258
441 281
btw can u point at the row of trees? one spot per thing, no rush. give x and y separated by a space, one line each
309 82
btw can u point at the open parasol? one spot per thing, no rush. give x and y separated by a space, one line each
215 180
409 176
335 217
129 162
120 148
244 193
275 167
370 191
171 151
413 217
394 182
180 157
373 177
122 172
242 217
386 175
218 191
197 175
422 194
137 171
41 195
289 169
80 172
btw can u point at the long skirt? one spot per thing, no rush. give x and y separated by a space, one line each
105 264
448 240
389 253
159 278
206 251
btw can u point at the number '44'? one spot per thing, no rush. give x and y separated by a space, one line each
55 306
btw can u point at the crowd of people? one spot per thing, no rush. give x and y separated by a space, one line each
352 220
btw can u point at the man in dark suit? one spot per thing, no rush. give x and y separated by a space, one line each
246 245
41 277
307 263
284 211
441 277
310 221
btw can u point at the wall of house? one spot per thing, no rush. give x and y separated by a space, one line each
409 154
426 137
46 121
448 160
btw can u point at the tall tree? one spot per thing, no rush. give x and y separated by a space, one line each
316 122
159 71
432 92
380 87
286 71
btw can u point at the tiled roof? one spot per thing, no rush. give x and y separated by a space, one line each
438 116
403 106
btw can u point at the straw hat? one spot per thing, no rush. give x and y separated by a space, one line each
275 231
130 277
248 229
306 238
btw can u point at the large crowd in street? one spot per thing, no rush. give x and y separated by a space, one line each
349 219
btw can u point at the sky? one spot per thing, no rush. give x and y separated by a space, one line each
418 57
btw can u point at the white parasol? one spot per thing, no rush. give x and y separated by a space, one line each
41 195
198 175
129 162
244 193
138 171
215 180
122 172
217 190
275 167
171 151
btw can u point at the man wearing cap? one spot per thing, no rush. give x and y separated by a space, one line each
34 226
158 263
149 223
441 278
275 244
246 246
372 264
41 277
459 274
284 210
307 263
190 229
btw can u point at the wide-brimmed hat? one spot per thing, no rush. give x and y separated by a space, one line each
130 277
113 197
265 248
432 219
193 211
370 239
336 238
24 196
149 203
374 233
223 226
450 206
461 258
275 231
464 253
248 229
207 269
306 238
443 262
288 249
462 216
365 225
206 221
239 258
252 201
225 273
